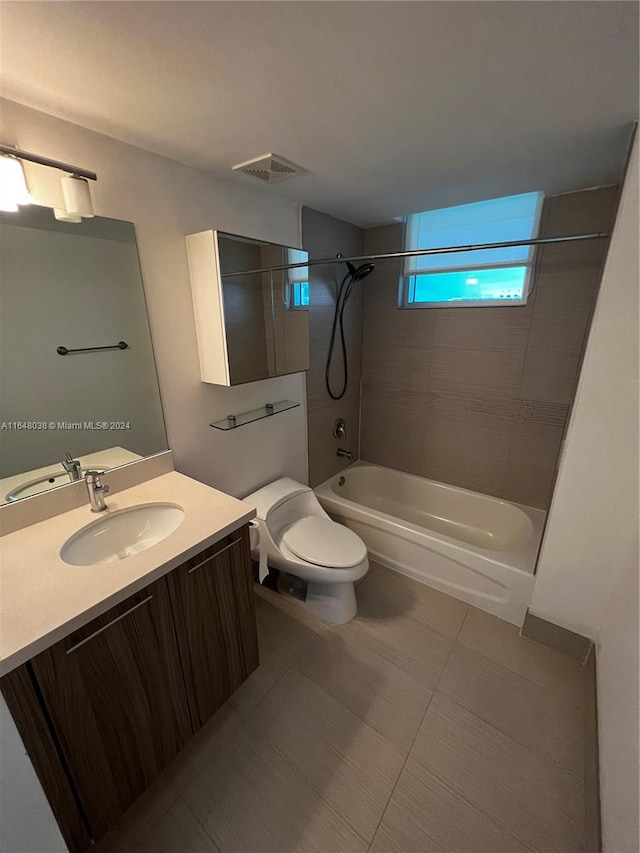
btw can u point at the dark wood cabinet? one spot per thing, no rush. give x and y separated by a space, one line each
103 711
115 695
214 614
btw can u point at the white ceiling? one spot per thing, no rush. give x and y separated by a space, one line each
393 107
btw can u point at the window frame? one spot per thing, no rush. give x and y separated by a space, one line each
295 279
407 282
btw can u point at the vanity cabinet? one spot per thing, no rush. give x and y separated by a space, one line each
104 710
115 696
215 621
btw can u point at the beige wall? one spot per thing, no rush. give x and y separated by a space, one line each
478 397
166 201
323 237
587 577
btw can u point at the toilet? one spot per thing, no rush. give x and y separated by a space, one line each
300 539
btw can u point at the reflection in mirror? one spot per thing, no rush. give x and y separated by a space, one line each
265 313
73 286
291 310
248 310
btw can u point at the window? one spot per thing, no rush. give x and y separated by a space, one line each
481 277
297 280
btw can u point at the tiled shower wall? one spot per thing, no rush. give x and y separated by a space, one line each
479 397
323 237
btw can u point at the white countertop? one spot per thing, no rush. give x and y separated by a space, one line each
42 599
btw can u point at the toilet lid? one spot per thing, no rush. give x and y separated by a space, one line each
325 543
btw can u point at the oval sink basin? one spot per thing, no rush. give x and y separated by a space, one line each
121 534
46 481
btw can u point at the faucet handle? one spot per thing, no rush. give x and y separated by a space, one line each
94 478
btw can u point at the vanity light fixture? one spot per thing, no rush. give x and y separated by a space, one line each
14 191
13 184
77 198
63 215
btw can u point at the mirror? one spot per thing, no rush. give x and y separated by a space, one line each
266 318
75 288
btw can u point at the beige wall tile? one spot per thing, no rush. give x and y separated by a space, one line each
580 212
467 448
466 371
324 236
479 367
393 428
503 330
323 461
531 466
550 377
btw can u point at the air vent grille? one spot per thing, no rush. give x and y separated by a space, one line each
269 168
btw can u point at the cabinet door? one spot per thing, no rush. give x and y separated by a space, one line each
212 597
115 695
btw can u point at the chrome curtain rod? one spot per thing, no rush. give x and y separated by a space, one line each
541 241
47 161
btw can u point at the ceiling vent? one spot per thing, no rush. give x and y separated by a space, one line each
269 168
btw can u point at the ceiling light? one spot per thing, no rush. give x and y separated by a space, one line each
13 184
77 198
472 281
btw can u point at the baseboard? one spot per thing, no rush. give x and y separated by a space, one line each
592 825
561 639
583 650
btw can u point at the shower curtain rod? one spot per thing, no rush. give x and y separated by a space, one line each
540 241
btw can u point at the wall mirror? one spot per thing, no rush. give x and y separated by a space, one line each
252 320
77 372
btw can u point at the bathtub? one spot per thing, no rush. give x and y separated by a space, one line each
480 549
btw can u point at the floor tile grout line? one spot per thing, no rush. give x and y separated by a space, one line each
426 711
200 823
303 778
495 820
576 704
577 776
462 624
515 674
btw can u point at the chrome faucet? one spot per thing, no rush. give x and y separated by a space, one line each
96 490
71 466
347 454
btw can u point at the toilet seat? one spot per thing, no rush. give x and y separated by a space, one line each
323 542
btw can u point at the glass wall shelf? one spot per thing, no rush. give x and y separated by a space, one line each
235 421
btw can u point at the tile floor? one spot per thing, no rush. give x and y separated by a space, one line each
424 725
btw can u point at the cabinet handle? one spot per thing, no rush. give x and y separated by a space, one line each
109 624
213 556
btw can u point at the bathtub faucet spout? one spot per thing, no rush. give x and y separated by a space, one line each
347 454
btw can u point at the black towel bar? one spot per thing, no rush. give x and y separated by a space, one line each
119 345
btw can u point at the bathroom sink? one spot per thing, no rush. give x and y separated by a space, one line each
44 482
121 534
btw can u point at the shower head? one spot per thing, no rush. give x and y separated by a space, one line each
361 272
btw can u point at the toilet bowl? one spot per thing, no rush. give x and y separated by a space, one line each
302 540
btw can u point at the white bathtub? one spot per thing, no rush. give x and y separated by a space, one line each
480 549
